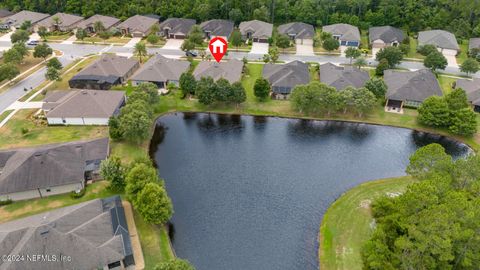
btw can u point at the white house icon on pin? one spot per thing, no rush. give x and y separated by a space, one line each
218 46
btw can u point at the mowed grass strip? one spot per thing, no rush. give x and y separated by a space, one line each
347 224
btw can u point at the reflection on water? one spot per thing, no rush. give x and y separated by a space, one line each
249 192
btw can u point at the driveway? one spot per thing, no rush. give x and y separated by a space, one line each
451 59
70 40
259 48
304 49
132 42
173 44
6 37
374 52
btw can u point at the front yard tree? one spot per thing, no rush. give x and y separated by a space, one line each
261 89
427 49
140 51
463 122
42 51
273 53
98 27
153 204
434 112
81 34
52 74
363 101
153 39
435 60
175 264
470 66
113 171
21 48
382 66
393 55
12 56
352 53
187 45
187 83
377 86
236 39
196 35
360 62
137 177
266 58
43 32
457 99
26 25
21 36
330 44
105 35
8 71
283 41
237 94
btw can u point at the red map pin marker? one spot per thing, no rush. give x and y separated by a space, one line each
218 47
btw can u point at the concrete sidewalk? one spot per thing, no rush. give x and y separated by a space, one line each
18 105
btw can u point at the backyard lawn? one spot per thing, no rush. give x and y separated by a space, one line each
23 130
413 50
462 56
446 83
347 224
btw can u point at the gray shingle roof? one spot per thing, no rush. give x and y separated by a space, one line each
138 23
230 70
411 85
83 103
342 77
298 29
472 88
474 43
161 69
258 28
218 27
48 166
25 15
177 26
5 13
286 76
107 21
65 20
89 232
347 32
387 34
440 38
109 68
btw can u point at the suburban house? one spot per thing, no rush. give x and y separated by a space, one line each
474 43
82 107
66 22
16 20
137 26
472 89
214 28
107 22
445 42
343 77
346 34
37 172
409 88
107 71
284 77
256 30
177 28
384 36
93 234
301 32
161 71
230 70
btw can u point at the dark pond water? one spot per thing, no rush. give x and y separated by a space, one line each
250 192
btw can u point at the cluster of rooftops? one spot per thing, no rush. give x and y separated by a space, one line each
255 30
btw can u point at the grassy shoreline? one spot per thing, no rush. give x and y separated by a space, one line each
347 224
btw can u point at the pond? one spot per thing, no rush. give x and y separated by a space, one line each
250 192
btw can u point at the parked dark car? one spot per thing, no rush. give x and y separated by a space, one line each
191 53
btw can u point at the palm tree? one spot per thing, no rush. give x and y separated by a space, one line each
56 22
140 50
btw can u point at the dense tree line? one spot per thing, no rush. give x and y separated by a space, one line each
435 223
460 17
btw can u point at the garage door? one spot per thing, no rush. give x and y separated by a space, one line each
449 52
180 36
137 34
263 40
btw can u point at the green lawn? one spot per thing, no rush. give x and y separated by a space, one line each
446 83
155 242
413 50
462 56
39 133
5 114
59 36
346 225
120 40
24 208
